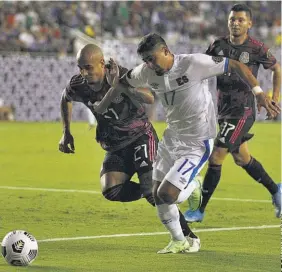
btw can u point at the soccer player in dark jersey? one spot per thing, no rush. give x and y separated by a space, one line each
123 129
236 108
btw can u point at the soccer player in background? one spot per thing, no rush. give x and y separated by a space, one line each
236 108
123 130
179 82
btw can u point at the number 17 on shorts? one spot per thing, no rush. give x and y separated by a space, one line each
188 167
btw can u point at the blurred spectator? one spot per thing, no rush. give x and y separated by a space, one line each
45 26
6 112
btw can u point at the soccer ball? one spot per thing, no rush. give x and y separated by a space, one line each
19 248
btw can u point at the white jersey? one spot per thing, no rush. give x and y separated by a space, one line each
184 94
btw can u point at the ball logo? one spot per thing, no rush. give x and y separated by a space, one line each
32 254
268 54
29 236
18 246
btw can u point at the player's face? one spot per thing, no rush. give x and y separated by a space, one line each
239 23
92 69
156 60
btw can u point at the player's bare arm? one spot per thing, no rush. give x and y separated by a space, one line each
243 71
142 95
66 144
276 68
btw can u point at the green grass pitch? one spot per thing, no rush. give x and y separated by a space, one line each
29 157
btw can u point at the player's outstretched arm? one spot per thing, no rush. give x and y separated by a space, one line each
67 138
262 99
276 68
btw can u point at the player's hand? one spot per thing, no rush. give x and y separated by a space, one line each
66 144
271 107
112 73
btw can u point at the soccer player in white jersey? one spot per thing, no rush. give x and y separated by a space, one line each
179 81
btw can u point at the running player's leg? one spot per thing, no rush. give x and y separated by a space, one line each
176 186
243 158
115 178
213 174
144 151
229 138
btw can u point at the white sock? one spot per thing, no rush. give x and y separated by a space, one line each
169 216
184 194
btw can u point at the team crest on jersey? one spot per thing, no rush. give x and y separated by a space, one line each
118 99
155 86
268 54
217 59
244 57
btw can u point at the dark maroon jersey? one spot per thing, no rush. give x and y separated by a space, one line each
234 94
121 124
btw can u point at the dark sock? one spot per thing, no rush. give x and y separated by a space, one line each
211 180
257 172
185 228
126 192
150 199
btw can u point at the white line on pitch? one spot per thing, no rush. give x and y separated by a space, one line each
96 192
49 190
155 233
240 199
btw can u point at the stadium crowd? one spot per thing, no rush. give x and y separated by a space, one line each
44 26
33 26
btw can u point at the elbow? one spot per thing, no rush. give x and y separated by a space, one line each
276 69
150 99
147 96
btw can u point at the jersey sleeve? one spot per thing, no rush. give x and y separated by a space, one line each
204 66
266 58
137 76
214 48
71 92
210 50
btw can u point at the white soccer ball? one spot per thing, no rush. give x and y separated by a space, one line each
19 248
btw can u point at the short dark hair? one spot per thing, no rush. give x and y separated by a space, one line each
242 7
149 41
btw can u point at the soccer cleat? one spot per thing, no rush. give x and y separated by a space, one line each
175 247
276 201
194 216
195 199
195 244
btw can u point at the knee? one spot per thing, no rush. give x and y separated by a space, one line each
165 196
217 156
215 159
112 193
240 161
157 200
146 184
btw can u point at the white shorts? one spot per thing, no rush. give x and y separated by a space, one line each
179 162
